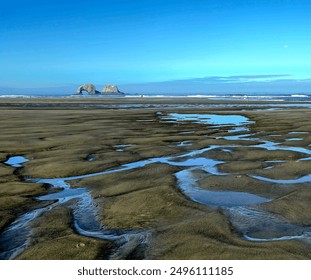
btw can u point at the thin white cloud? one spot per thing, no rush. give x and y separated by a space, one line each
276 83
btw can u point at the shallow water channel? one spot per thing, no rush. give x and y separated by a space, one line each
249 222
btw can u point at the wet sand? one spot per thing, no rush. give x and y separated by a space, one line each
67 138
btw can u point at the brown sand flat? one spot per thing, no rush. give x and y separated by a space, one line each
58 137
55 240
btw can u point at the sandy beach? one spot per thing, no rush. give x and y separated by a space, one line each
173 188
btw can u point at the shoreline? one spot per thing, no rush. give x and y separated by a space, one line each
142 100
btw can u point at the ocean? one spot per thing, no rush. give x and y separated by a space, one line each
250 97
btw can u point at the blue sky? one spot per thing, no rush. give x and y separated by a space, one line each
156 45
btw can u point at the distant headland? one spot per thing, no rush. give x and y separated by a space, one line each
91 89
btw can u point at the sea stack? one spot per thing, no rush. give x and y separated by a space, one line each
110 89
89 88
